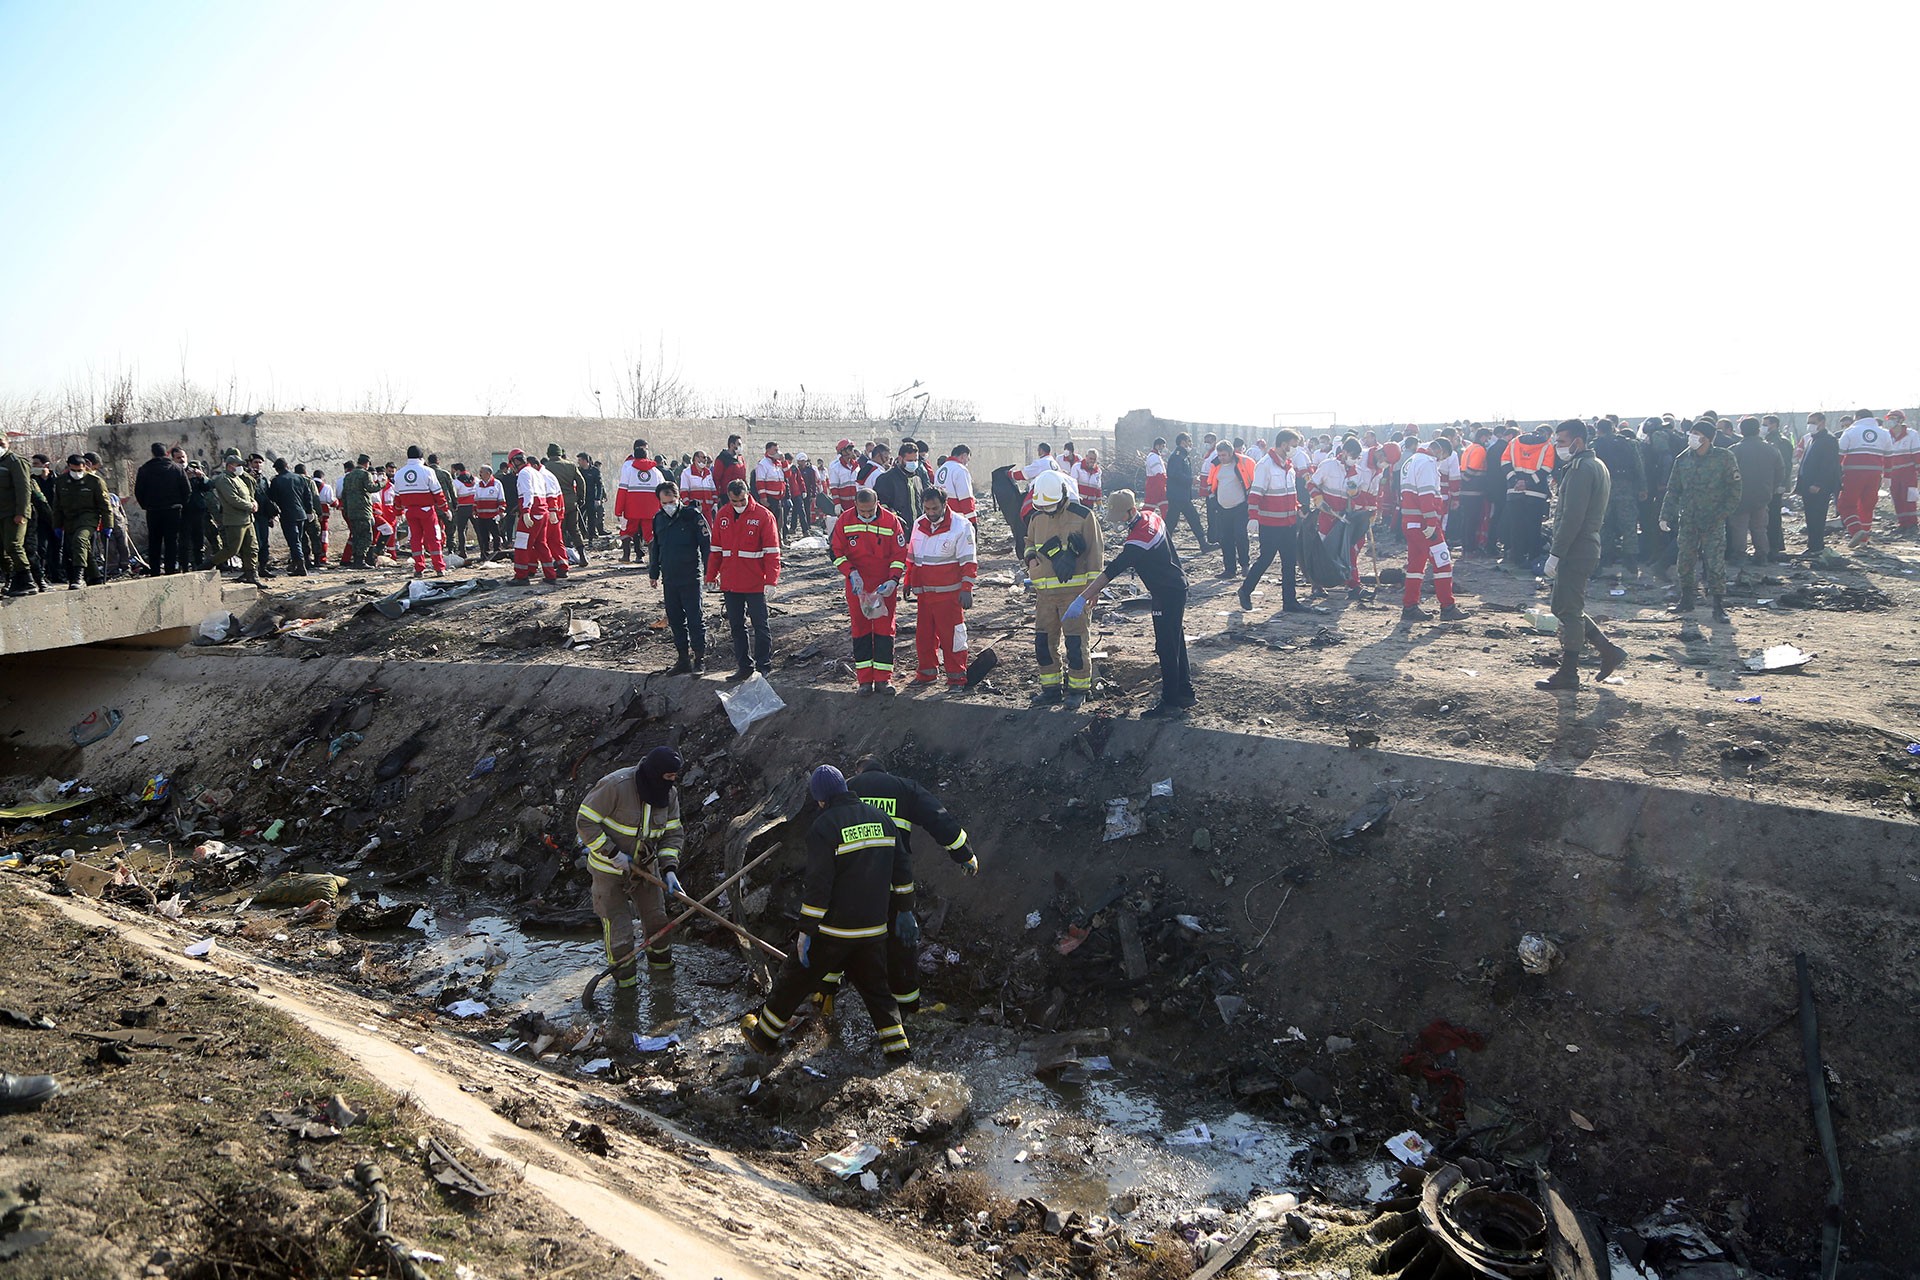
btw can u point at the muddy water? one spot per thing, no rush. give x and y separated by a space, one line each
547 971
1094 1147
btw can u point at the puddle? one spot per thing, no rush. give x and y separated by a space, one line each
1081 1147
546 971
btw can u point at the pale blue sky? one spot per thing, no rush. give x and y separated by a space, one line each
1217 211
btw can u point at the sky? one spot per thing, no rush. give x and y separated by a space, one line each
1216 211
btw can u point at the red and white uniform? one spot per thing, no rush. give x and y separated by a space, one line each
1863 462
1273 499
536 534
636 504
954 480
1029 473
697 488
769 482
1334 481
1423 509
329 503
1903 473
746 549
942 563
876 549
386 518
1450 481
489 499
463 492
842 480
1087 479
416 491
1156 486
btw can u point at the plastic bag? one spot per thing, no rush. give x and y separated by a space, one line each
960 638
753 700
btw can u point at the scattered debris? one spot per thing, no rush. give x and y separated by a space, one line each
95 725
1538 956
752 701
1122 821
447 1170
1747 751
297 889
1365 818
466 1008
850 1159
654 1044
1409 1148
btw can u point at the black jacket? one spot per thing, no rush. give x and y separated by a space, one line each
292 495
911 805
1180 476
1820 465
681 544
857 872
899 492
161 483
1622 456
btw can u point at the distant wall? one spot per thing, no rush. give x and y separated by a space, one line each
327 439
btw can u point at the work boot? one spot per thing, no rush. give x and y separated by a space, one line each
1454 613
626 550
21 585
1246 599
1414 613
744 673
1566 679
1720 609
23 1093
757 1040
1049 693
1611 654
1686 602
885 689
1075 699
699 664
682 667
866 689
1163 711
73 586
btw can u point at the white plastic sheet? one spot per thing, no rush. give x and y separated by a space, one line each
752 701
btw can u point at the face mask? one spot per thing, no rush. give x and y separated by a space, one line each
739 508
669 507
1697 441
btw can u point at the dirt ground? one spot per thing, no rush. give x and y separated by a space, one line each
1289 974
1834 736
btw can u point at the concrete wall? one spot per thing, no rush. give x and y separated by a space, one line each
149 612
327 439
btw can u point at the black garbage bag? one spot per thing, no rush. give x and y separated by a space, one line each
1326 561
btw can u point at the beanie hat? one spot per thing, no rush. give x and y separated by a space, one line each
826 782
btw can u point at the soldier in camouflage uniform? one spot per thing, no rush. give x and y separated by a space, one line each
16 513
1702 492
573 488
80 505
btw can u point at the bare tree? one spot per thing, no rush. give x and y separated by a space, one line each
651 388
382 397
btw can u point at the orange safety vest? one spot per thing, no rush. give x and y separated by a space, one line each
1474 459
1531 457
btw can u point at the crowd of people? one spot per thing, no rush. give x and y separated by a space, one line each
1680 499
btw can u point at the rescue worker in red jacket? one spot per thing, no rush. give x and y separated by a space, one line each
1273 511
417 492
942 563
636 503
869 546
1422 518
536 533
745 561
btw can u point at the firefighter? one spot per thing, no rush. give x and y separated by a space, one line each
857 879
632 818
869 545
1064 553
942 564
911 806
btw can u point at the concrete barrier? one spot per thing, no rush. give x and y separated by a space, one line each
147 612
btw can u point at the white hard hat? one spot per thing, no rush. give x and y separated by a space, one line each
1049 489
799 457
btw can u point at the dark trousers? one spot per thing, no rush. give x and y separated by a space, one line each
1523 538
1465 525
1656 548
1274 540
1817 506
294 529
486 534
1213 519
742 607
1230 528
316 540
864 960
903 970
1497 522
1776 530
164 542
262 530
462 522
1620 534
193 538
1184 507
682 597
1170 645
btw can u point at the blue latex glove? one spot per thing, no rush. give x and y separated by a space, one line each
885 589
1078 607
673 885
800 948
906 927
859 586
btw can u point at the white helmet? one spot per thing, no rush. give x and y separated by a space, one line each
1049 490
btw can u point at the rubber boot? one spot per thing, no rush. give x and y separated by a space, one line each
1720 609
1565 680
1611 654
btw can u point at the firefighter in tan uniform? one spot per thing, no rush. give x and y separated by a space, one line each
632 815
1064 554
